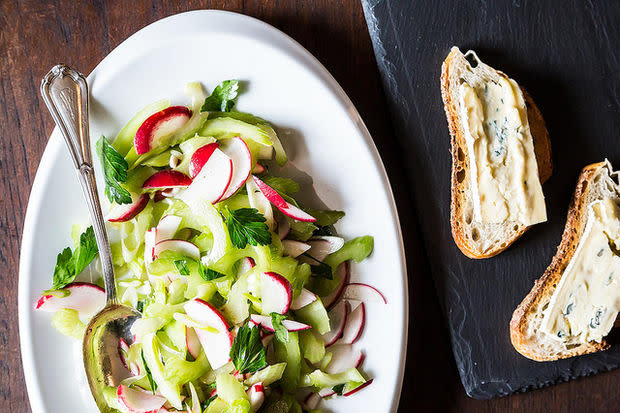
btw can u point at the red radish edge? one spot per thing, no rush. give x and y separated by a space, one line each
265 322
303 299
86 305
278 297
361 291
241 157
355 390
200 157
147 132
125 212
337 315
355 325
343 271
167 178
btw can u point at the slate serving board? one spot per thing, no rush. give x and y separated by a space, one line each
567 55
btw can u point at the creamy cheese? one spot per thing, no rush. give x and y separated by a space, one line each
587 299
504 174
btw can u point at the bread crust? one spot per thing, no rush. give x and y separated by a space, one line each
460 159
545 285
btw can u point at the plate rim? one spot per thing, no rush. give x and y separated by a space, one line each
306 59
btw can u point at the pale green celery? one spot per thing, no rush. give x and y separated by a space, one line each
284 403
229 389
326 360
268 375
224 284
240 406
312 346
352 385
195 401
285 266
160 292
356 249
124 140
237 201
190 322
222 128
301 277
188 148
302 230
196 93
162 310
306 367
199 288
179 371
321 379
217 406
158 161
110 397
116 249
68 322
237 308
136 177
165 263
204 241
263 257
281 157
146 326
176 291
175 331
325 217
284 186
132 233
242 116
289 352
315 315
152 356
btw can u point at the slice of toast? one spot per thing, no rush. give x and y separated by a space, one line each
595 182
477 239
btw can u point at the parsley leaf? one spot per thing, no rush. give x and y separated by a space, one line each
114 172
222 98
278 327
69 264
149 376
182 267
247 352
320 269
208 274
247 226
338 389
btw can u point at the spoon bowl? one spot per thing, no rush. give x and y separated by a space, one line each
65 92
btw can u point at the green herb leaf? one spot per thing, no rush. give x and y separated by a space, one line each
247 226
69 264
182 267
320 269
247 352
278 327
207 402
149 376
208 274
114 172
140 305
338 389
222 98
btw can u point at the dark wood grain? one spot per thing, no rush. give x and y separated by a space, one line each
35 35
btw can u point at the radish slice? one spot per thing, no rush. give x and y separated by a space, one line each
265 322
213 179
305 298
321 247
267 339
181 246
149 246
342 273
159 127
363 292
354 326
293 248
285 207
284 227
192 342
355 390
238 151
176 158
344 357
200 157
258 169
312 401
138 401
247 263
326 392
167 227
83 297
256 394
167 178
276 293
125 212
123 351
216 345
337 321
259 202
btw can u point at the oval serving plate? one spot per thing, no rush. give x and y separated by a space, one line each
322 132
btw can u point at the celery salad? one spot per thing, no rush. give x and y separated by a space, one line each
245 294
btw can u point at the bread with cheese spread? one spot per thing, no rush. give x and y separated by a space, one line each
572 307
501 154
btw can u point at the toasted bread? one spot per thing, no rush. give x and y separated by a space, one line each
595 182
477 239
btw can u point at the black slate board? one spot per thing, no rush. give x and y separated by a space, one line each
567 55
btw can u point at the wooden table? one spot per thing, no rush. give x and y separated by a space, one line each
36 34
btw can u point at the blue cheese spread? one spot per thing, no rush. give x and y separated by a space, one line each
504 174
586 301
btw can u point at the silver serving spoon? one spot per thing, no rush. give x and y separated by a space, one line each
66 95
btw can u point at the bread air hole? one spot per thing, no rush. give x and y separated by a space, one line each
460 155
460 176
475 235
515 228
471 60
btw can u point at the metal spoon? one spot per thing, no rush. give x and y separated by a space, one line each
66 95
